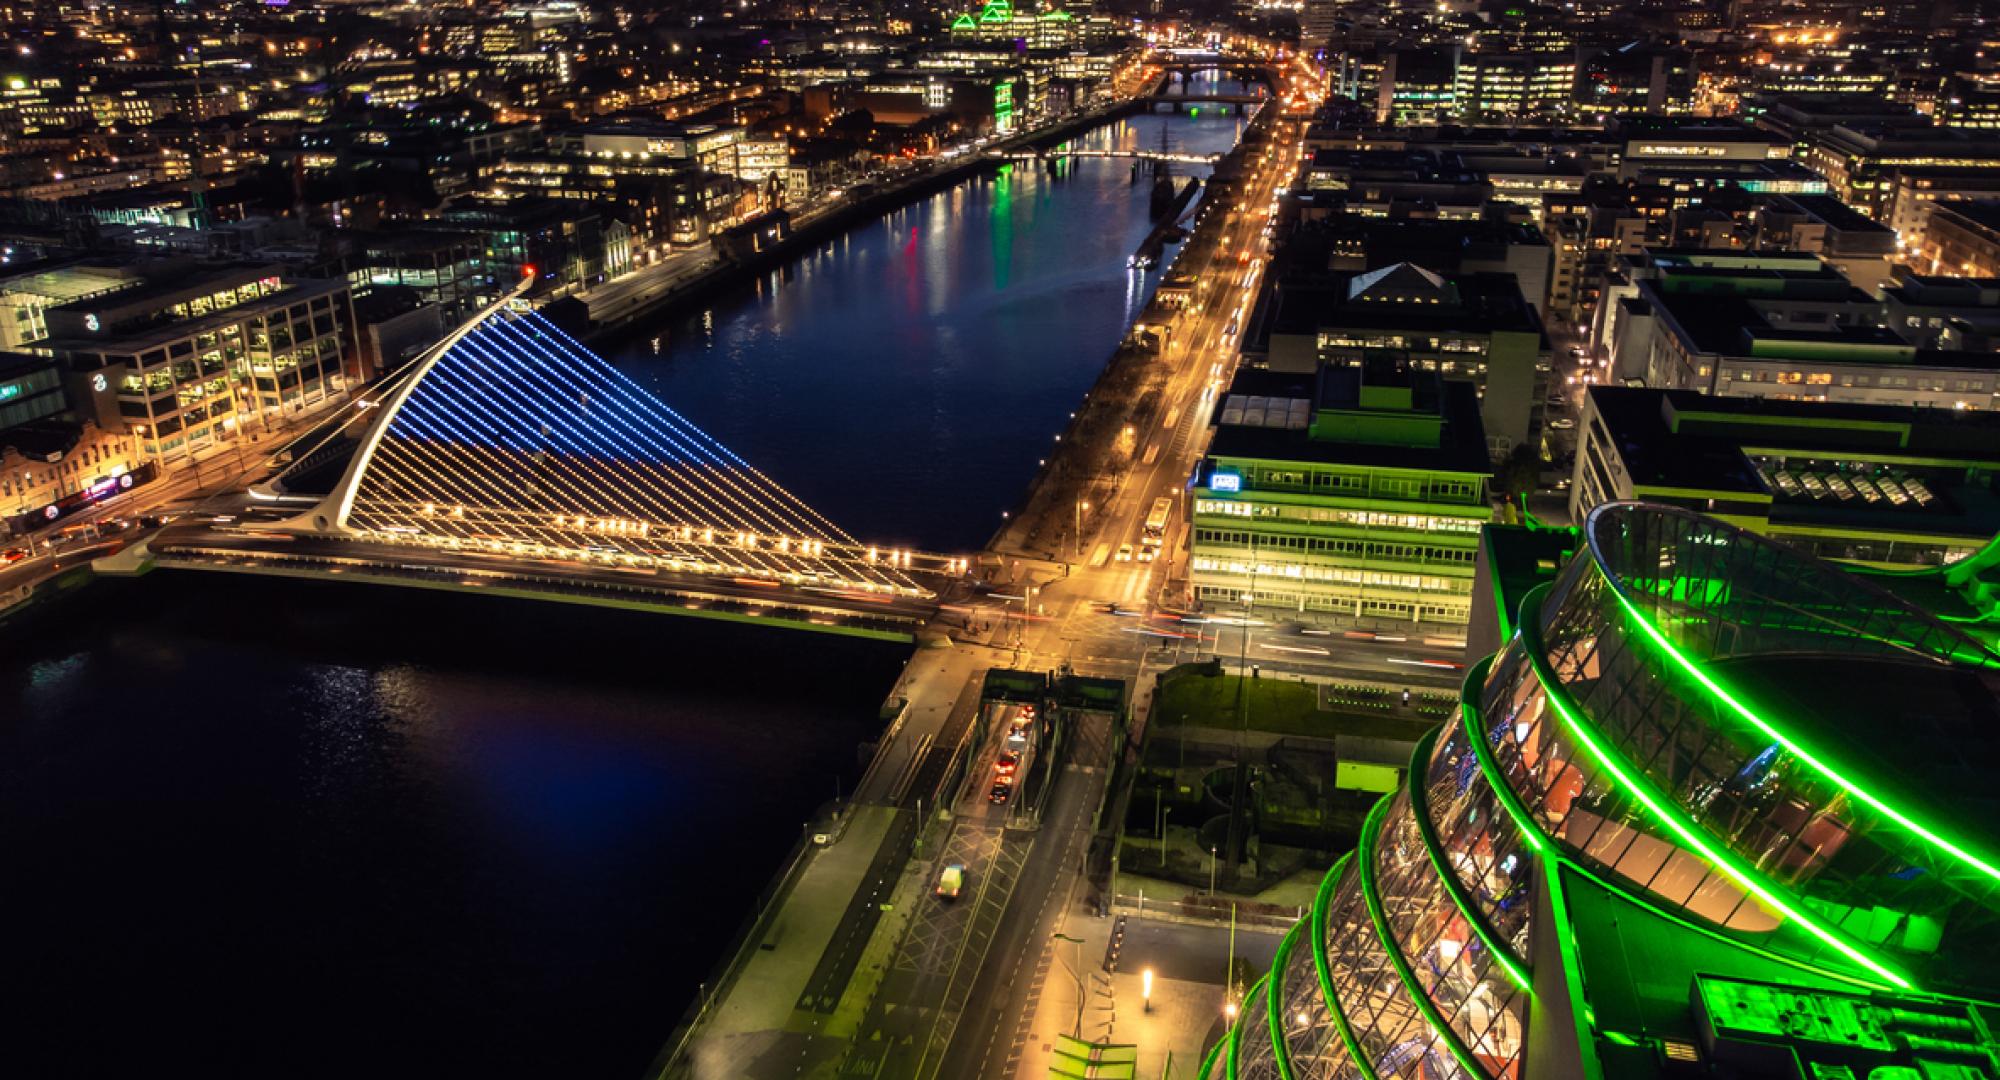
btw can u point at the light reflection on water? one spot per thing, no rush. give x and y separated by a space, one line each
905 378
261 828
418 834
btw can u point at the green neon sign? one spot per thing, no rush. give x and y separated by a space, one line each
11 390
1777 735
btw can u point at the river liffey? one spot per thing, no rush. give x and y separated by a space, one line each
261 828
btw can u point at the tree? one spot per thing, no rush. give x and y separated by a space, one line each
1520 472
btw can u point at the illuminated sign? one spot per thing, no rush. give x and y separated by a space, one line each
91 324
99 383
1225 481
11 390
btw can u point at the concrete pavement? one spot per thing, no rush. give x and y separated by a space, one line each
1189 965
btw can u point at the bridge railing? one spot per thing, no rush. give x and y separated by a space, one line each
679 547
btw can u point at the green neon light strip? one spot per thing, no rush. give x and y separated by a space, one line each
1274 1003
1510 802
1325 970
1771 731
1236 1029
1365 863
1667 813
1550 854
1427 829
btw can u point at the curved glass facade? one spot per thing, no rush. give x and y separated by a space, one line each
1697 715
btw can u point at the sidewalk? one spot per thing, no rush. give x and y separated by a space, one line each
1186 1014
757 1006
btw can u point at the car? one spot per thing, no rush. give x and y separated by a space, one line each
1007 762
1017 735
1000 794
951 882
1147 553
1124 553
13 555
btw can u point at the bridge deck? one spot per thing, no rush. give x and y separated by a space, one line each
825 609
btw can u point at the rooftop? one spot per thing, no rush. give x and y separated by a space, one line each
1478 303
171 280
1695 442
1984 213
1452 406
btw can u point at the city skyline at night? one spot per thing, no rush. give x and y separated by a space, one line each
725 539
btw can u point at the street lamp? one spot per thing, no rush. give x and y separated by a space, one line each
1211 870
1081 506
1146 990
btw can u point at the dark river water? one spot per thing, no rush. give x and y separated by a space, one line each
907 378
265 828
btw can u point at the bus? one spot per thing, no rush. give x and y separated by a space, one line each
1156 521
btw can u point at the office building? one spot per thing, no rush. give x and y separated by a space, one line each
1347 495
1894 488
1715 810
1962 239
202 351
1475 327
1786 326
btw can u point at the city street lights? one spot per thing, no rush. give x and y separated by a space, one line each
1211 870
1081 506
1146 990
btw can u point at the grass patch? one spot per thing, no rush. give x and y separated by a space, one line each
1195 699
1196 696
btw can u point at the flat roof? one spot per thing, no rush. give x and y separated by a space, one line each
1519 558
1695 442
1984 213
1837 214
192 279
150 337
1462 439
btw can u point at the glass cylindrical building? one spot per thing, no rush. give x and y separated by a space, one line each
1732 738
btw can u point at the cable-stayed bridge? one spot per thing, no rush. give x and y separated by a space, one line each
509 457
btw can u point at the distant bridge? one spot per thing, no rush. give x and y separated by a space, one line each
1032 154
510 458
